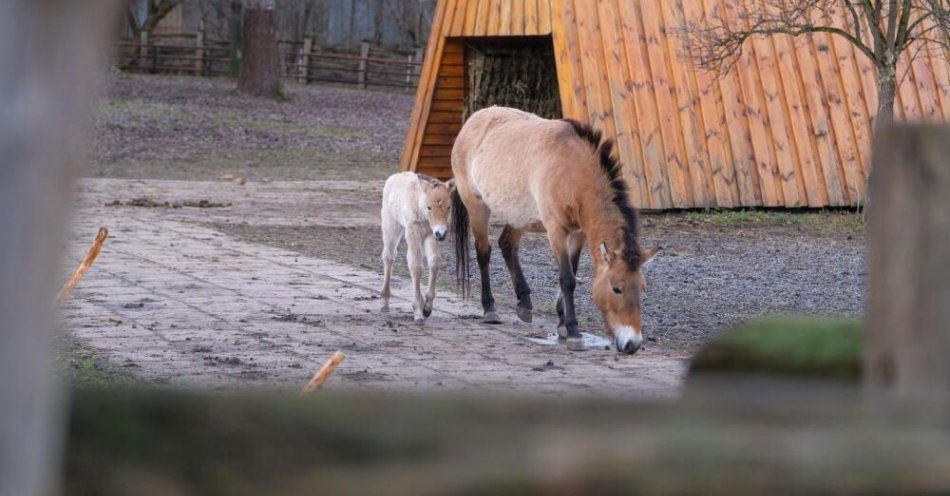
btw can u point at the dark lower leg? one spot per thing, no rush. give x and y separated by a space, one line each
509 241
568 283
575 260
483 254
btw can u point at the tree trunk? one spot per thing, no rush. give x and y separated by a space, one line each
50 54
886 93
260 68
908 338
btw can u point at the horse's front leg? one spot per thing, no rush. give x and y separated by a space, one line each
414 240
433 259
509 242
575 244
559 246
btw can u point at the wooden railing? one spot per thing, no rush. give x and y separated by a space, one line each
300 61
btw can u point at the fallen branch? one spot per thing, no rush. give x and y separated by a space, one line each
321 376
84 266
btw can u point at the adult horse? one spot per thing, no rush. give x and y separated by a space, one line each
556 176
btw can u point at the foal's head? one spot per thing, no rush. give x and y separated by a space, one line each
438 204
618 287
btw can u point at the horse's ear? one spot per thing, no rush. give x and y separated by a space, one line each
424 182
451 184
605 253
646 256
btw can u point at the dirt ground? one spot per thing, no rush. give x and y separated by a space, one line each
336 145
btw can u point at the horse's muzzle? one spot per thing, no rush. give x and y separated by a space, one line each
439 236
627 340
439 232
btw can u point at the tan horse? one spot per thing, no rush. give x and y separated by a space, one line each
556 176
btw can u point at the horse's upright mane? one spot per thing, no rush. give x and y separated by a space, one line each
611 168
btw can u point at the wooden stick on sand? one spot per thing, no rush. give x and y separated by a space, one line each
321 376
84 266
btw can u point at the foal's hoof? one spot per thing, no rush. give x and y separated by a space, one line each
427 311
427 307
524 314
576 344
491 318
384 308
561 332
420 320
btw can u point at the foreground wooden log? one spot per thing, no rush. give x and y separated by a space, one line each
908 339
761 438
323 374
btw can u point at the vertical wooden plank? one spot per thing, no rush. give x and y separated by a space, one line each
941 79
687 101
458 20
786 169
494 17
544 16
926 91
531 17
482 16
738 129
641 80
471 15
818 120
837 109
424 90
624 112
504 17
856 108
675 159
517 17
594 68
762 161
711 121
570 72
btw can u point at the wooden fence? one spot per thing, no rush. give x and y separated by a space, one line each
300 61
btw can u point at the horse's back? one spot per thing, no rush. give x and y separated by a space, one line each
511 158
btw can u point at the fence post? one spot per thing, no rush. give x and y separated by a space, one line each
303 61
908 337
143 49
199 50
408 71
419 60
364 54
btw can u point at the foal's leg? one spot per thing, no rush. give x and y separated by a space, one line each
433 259
479 221
559 245
509 242
392 236
575 244
414 238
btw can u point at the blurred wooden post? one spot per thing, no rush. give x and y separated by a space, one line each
908 329
303 62
364 54
418 69
409 60
199 50
50 55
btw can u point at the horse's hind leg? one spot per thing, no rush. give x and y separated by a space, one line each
509 242
392 235
575 244
478 215
433 259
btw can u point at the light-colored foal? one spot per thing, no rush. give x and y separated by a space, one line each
418 207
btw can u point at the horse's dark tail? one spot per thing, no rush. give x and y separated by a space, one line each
460 225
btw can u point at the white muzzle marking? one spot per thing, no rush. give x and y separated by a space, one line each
627 335
439 231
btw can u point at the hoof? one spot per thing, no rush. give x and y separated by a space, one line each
420 320
385 308
575 344
524 314
427 306
427 311
561 332
491 318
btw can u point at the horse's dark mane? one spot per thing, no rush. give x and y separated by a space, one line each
611 168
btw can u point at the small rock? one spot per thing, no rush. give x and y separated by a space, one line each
240 181
227 177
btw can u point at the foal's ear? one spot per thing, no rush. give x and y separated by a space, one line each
605 253
451 184
426 182
646 256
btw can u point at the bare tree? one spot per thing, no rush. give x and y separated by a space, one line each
155 11
260 64
882 30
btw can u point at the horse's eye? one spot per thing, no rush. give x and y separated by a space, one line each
429 207
617 290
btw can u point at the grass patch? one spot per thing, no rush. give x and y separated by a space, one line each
81 366
825 221
787 345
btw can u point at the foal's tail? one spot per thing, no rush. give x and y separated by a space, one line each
460 225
